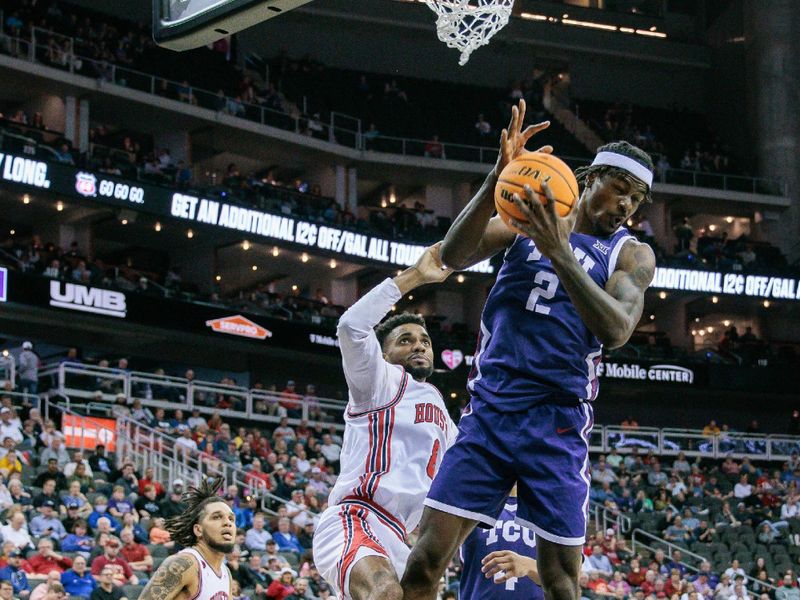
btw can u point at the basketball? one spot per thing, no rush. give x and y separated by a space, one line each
532 168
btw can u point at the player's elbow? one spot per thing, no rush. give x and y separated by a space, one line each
452 258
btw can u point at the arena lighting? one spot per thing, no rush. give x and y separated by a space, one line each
158 226
218 278
662 295
714 299
392 198
124 221
589 24
565 16
26 199
460 278
398 272
627 29
189 234
383 204
304 257
712 227
652 317
729 220
294 288
5 353
394 308
59 206
697 319
766 303
694 331
710 329
255 267
453 395
701 333
647 33
13 232
726 323
533 16
410 296
245 245
332 263
275 251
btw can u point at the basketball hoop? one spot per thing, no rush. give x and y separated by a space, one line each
466 25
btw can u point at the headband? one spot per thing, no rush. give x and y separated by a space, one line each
612 159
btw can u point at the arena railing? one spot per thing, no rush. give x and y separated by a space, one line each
691 560
344 130
605 518
74 381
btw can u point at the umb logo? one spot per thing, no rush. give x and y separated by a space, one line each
86 184
240 326
86 299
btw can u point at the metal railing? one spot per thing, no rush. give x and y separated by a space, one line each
102 384
341 129
691 560
74 380
605 518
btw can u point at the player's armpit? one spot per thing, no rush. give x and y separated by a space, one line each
171 578
634 271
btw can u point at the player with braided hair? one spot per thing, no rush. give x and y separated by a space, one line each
207 530
568 286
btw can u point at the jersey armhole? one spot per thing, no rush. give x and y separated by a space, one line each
612 260
400 391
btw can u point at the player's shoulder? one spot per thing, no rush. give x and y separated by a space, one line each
634 254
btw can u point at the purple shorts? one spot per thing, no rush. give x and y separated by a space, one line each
544 450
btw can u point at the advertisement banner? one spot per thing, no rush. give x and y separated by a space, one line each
83 185
88 432
3 284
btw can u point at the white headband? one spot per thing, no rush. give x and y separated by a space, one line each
612 159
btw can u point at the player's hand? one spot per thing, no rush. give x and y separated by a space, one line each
549 231
513 139
429 269
508 565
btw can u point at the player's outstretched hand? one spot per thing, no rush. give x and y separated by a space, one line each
544 225
513 139
509 565
430 267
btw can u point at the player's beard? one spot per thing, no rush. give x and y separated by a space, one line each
223 547
420 373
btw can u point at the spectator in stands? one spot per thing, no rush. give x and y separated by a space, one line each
74 496
434 148
137 555
149 480
48 493
629 423
743 489
8 428
78 540
64 155
128 480
106 590
598 563
77 458
735 570
98 461
147 505
290 400
52 472
47 523
101 512
173 505
51 589
257 537
47 560
122 572
331 451
16 531
78 581
55 450
285 539
86 483
13 572
10 463
28 371
119 504
282 587
656 477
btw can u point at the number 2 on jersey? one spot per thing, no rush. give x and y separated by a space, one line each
431 470
547 283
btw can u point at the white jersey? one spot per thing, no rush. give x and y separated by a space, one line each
397 429
210 585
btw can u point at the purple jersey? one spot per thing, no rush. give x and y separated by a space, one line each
533 346
505 535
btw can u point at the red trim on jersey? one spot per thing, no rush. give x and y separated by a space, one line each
357 535
383 515
400 391
386 422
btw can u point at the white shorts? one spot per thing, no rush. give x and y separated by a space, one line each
350 531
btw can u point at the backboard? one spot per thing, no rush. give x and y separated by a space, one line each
186 24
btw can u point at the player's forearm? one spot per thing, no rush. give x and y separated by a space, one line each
605 316
466 232
531 569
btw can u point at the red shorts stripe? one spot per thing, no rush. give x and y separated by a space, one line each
359 534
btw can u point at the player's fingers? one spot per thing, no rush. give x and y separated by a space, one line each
524 207
514 121
548 149
522 107
495 554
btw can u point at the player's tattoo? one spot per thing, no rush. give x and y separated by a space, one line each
167 580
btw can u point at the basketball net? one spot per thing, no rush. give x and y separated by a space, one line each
466 25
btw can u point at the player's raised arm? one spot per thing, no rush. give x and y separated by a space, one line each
474 235
172 577
365 369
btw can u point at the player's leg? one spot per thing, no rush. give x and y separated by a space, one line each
374 578
441 534
471 487
559 569
553 492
